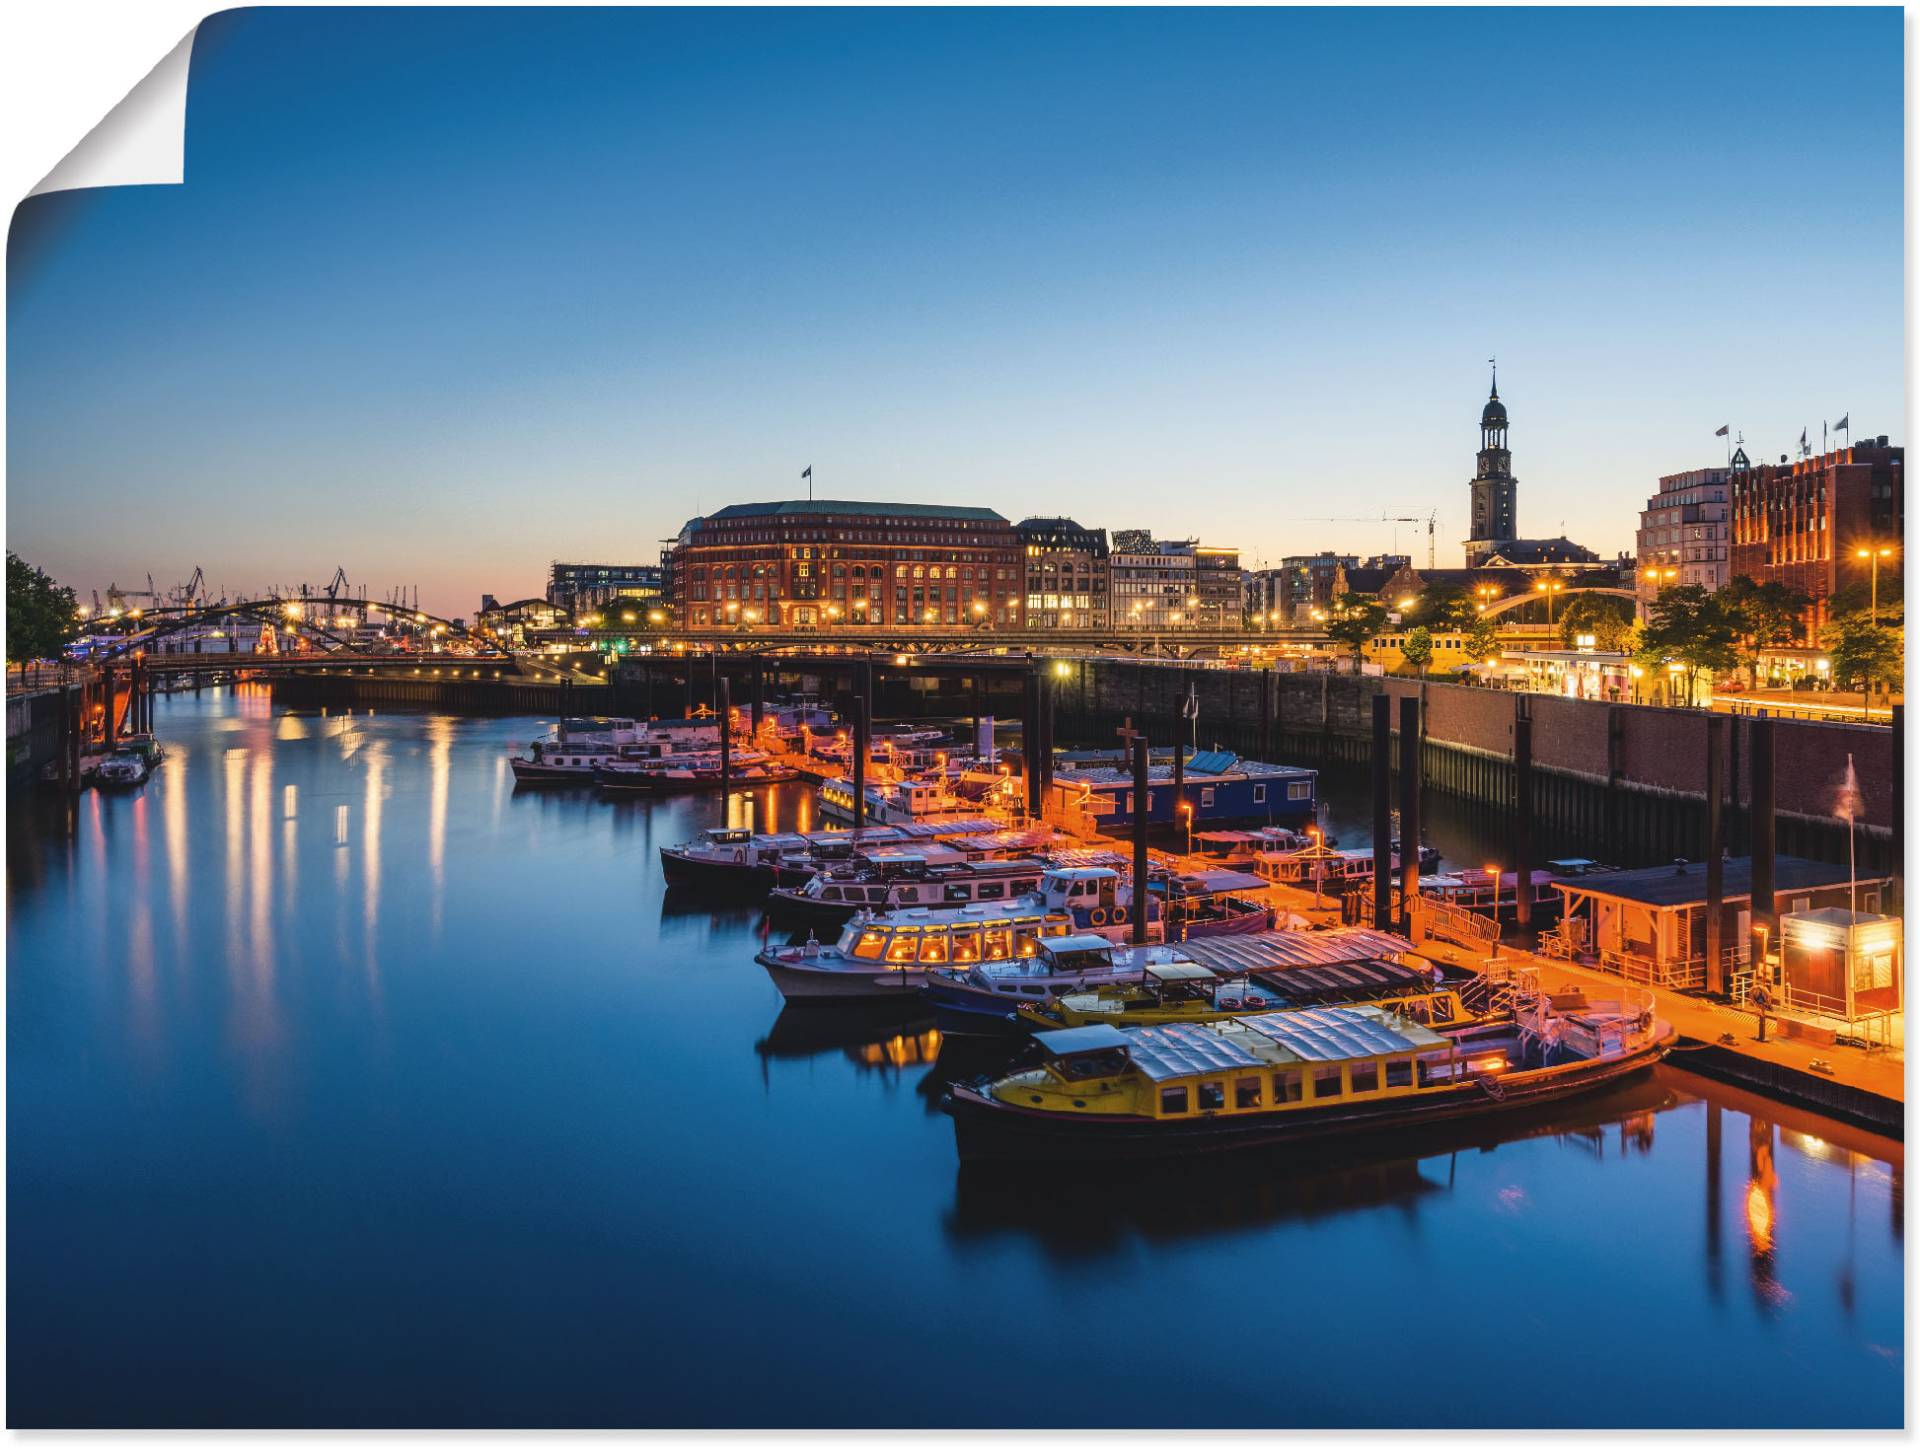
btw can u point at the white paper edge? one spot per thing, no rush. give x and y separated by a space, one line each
142 141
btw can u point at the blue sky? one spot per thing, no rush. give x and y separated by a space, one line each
450 293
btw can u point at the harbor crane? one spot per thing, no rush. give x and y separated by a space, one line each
1430 520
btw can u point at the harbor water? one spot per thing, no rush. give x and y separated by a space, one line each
349 1086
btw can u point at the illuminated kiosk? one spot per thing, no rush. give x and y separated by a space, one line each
1842 963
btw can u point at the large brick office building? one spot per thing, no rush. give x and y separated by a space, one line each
1802 523
816 564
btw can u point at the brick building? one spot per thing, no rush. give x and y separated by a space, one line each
1800 523
827 564
1684 536
1063 573
1301 584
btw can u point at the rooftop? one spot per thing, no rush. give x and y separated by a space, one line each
840 508
1665 886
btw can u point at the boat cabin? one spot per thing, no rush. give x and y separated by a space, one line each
1267 1063
962 937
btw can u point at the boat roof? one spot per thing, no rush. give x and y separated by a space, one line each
1076 1039
1272 834
1281 949
1343 1033
1180 970
1666 886
1221 882
1083 872
987 910
1070 944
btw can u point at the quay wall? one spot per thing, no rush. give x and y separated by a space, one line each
1628 779
34 732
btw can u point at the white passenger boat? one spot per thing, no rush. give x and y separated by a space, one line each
890 955
576 748
902 802
984 999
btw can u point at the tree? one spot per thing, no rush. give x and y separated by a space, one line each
1418 649
1356 620
1858 596
1764 615
1605 617
1864 653
41 615
1446 607
1691 628
1483 640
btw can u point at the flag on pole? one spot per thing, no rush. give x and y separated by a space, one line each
1842 426
1722 430
1848 803
1190 706
1803 440
807 476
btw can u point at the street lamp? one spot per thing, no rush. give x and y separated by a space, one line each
1187 810
1549 588
1873 555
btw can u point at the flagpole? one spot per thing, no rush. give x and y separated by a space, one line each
1852 809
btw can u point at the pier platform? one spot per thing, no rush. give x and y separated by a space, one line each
1864 1088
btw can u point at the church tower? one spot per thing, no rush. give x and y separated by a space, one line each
1493 485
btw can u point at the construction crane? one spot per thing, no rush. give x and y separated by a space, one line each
1430 520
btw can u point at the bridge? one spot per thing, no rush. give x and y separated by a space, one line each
317 619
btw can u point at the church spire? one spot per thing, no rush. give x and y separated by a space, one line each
1494 363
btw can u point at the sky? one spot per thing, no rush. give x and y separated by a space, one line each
449 294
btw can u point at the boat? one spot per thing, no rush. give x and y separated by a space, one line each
573 754
900 879
1188 991
1243 847
1199 903
122 769
1103 1091
877 956
689 773
1216 785
745 864
985 998
904 801
1336 869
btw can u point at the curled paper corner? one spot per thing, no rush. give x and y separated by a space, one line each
140 142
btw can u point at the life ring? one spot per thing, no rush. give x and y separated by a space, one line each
1119 915
1098 915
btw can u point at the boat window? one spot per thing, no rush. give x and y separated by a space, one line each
868 947
1206 798
1364 1076
1300 791
1033 990
957 894
830 892
998 937
1213 1095
966 944
1246 1092
1173 1100
1399 1073
1326 1082
1259 794
1024 938
933 947
1057 927
993 891
903 947
1286 1086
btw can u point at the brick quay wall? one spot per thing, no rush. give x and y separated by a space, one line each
1629 779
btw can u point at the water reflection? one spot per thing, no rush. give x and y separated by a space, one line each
378 975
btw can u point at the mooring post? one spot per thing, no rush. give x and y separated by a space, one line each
1716 850
1760 803
759 693
1522 820
1030 737
862 694
113 704
1382 812
1898 820
726 745
1409 811
1140 810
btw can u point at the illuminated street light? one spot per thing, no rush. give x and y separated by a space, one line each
1873 555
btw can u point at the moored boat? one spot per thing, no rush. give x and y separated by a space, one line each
985 998
901 879
889 955
1099 1091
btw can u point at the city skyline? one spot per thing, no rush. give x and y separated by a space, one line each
1138 269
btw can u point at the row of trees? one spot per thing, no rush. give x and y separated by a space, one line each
42 616
1690 635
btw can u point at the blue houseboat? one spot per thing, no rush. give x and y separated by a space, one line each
1218 786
